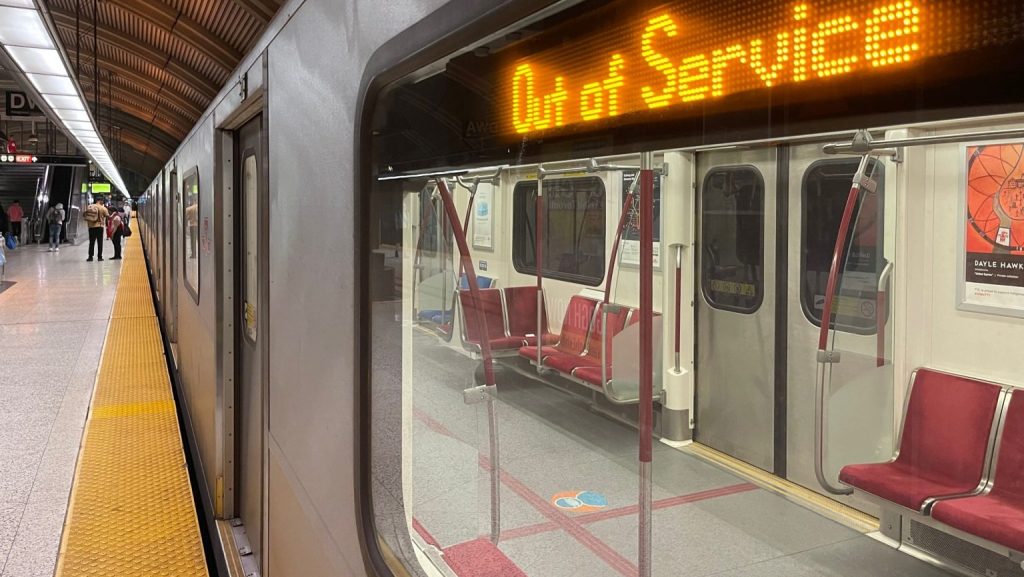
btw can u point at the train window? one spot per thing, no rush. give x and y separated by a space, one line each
825 188
574 229
732 238
250 183
190 248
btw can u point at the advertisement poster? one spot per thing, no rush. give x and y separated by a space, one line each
483 219
630 248
993 274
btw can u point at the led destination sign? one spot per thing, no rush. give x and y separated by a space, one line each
689 54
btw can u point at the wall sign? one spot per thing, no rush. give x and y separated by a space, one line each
992 205
629 250
20 105
483 218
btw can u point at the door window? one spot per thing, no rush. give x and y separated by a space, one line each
732 238
826 186
250 228
190 248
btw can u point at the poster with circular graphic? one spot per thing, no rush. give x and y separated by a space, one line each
993 279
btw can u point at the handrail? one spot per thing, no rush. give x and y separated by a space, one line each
488 390
862 142
881 313
618 237
678 307
825 359
474 286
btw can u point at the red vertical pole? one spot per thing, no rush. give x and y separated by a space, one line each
646 357
474 287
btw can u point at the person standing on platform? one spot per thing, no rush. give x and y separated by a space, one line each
55 218
116 231
15 214
96 218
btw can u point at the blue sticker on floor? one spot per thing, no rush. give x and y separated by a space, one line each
580 501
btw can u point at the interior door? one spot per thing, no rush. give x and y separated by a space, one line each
736 305
859 384
250 415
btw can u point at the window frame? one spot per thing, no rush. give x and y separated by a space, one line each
547 273
806 299
703 277
192 290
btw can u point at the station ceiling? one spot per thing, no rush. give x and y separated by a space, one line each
157 64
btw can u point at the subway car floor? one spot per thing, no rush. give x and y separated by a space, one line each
569 493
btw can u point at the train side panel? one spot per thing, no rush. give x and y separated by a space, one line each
315 67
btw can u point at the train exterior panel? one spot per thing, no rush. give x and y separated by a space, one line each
314 239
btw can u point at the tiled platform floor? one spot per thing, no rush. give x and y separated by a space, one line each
53 321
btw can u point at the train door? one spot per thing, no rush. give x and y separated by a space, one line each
252 334
856 423
735 399
174 196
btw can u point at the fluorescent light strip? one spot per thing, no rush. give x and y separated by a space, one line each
27 39
21 27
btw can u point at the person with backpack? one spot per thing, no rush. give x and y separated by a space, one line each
55 218
115 231
95 218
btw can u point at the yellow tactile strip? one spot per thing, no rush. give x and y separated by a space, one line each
131 510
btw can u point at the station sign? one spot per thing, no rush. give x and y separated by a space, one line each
18 104
19 158
25 158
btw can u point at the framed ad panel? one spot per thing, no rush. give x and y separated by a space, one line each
991 255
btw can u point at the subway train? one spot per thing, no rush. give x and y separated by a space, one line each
605 287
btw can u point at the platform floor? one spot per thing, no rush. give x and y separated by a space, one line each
706 521
54 310
132 511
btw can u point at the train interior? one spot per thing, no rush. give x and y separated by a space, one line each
538 474
695 332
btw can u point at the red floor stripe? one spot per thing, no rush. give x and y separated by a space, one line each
574 526
419 528
480 558
539 528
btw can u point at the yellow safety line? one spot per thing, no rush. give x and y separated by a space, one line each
820 504
131 510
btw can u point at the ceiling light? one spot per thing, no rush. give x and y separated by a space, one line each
37 60
65 114
66 102
47 84
21 27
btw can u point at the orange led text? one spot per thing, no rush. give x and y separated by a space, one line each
650 76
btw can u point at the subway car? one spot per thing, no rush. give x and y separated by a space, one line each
605 287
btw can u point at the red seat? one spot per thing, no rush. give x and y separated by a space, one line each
999 515
567 363
591 375
490 311
944 443
521 303
575 327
